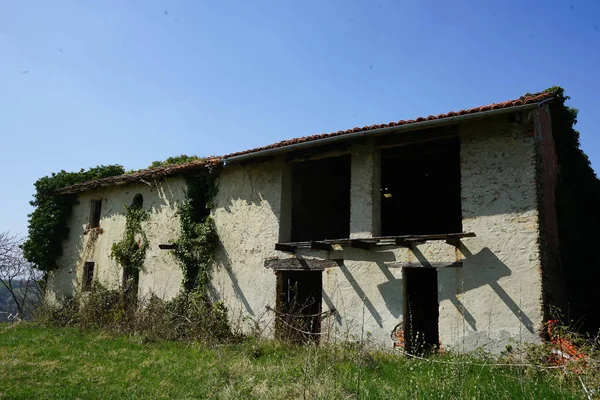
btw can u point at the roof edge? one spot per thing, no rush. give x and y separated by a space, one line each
381 131
526 102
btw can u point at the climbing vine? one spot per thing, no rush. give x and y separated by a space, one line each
195 247
47 224
131 251
578 213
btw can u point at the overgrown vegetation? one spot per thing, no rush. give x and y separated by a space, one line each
195 247
130 252
68 363
578 211
47 226
181 159
186 317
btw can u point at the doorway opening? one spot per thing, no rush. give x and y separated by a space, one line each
421 310
299 297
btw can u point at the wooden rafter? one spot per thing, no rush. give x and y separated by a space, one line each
368 243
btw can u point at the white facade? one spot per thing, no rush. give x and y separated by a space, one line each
496 295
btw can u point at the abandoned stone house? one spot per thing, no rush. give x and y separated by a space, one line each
442 227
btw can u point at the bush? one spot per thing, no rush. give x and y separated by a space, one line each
190 316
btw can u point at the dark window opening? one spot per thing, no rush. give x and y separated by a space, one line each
421 310
420 189
321 199
299 297
138 201
95 212
88 276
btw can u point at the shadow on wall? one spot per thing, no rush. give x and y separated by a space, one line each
81 244
226 265
244 183
481 269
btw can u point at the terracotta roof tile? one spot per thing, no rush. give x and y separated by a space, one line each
214 161
526 99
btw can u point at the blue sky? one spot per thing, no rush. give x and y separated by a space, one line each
84 83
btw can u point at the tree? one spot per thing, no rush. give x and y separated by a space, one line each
18 276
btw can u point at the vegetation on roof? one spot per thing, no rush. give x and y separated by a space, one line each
180 159
47 224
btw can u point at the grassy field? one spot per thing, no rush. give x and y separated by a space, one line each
66 363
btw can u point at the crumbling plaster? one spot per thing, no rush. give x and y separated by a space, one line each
160 274
495 297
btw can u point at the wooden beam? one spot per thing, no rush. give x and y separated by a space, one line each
362 244
289 248
409 242
434 264
299 264
319 245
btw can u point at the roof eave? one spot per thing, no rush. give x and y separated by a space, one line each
382 131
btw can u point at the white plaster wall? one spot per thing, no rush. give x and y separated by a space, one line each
495 297
160 275
246 217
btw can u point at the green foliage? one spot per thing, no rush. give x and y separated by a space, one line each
131 251
48 222
578 212
190 316
181 159
66 363
194 249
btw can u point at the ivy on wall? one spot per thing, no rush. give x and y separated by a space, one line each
195 247
130 252
578 214
47 224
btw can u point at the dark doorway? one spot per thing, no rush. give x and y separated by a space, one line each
299 305
321 199
421 310
420 189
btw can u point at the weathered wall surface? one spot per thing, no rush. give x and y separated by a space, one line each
161 275
553 276
247 217
494 297
497 295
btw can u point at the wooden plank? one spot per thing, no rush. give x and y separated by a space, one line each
404 242
362 244
299 264
289 248
435 264
319 245
166 246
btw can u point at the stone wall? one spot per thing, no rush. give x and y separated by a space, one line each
494 297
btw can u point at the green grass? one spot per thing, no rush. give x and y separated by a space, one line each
67 363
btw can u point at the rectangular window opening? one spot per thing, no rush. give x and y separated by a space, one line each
95 212
421 312
420 189
321 199
299 297
88 276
